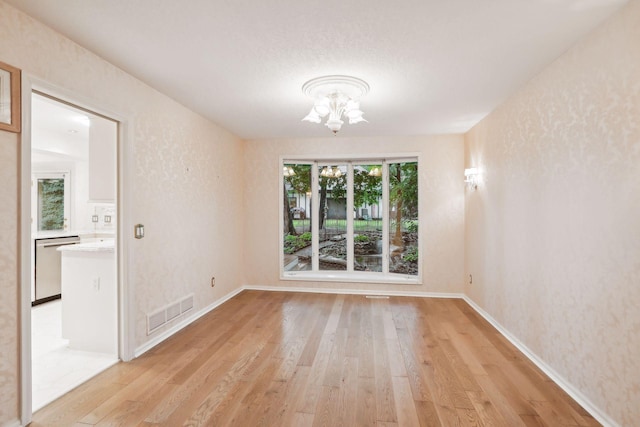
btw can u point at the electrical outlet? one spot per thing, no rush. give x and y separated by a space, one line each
96 283
213 281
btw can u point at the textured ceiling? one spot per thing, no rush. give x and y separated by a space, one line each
434 66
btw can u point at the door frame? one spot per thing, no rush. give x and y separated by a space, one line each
124 197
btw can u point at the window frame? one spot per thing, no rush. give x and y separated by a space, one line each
65 175
349 275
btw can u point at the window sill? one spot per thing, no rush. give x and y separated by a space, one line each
354 277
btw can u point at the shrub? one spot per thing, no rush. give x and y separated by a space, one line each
361 238
412 226
306 236
411 255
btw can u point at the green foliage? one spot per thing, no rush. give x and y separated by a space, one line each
300 182
403 187
367 189
411 226
51 200
294 243
337 186
411 255
361 238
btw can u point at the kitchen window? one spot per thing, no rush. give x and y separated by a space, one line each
50 199
350 220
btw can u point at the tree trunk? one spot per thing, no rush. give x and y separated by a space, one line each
288 218
397 238
323 203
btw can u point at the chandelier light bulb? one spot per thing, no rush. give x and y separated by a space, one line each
335 96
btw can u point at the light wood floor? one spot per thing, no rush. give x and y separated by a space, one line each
280 359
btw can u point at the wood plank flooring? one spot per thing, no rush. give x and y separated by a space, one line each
300 359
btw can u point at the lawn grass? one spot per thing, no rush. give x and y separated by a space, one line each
358 224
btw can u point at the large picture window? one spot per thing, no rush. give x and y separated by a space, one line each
350 220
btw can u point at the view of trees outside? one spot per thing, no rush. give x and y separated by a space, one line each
403 218
332 213
367 217
50 204
367 227
297 217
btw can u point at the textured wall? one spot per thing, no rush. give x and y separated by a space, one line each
441 186
186 184
9 149
553 232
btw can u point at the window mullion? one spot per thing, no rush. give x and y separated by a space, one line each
385 217
315 220
350 232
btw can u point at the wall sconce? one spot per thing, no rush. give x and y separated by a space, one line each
472 177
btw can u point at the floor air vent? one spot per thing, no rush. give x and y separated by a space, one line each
168 313
186 304
173 311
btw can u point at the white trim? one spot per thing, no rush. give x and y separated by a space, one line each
345 291
349 215
573 392
385 214
329 158
184 323
126 255
24 289
315 222
12 423
354 277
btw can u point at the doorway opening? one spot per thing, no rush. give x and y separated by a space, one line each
74 285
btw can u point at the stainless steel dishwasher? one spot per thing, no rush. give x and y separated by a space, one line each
48 267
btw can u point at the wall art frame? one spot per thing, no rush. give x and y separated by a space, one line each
9 98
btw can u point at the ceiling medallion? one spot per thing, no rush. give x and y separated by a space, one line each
335 96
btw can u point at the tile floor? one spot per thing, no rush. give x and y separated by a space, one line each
56 369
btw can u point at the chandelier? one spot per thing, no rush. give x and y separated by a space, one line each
335 96
331 172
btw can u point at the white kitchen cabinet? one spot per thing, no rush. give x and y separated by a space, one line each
103 137
89 297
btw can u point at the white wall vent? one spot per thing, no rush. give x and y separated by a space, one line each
168 313
155 320
173 311
186 304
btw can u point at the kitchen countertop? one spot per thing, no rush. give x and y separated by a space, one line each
63 233
53 234
106 245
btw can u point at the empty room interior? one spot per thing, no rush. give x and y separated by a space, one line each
320 213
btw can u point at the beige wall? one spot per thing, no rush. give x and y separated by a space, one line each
553 233
441 187
9 267
187 188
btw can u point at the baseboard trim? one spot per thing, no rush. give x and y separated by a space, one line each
353 292
575 394
13 423
183 323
